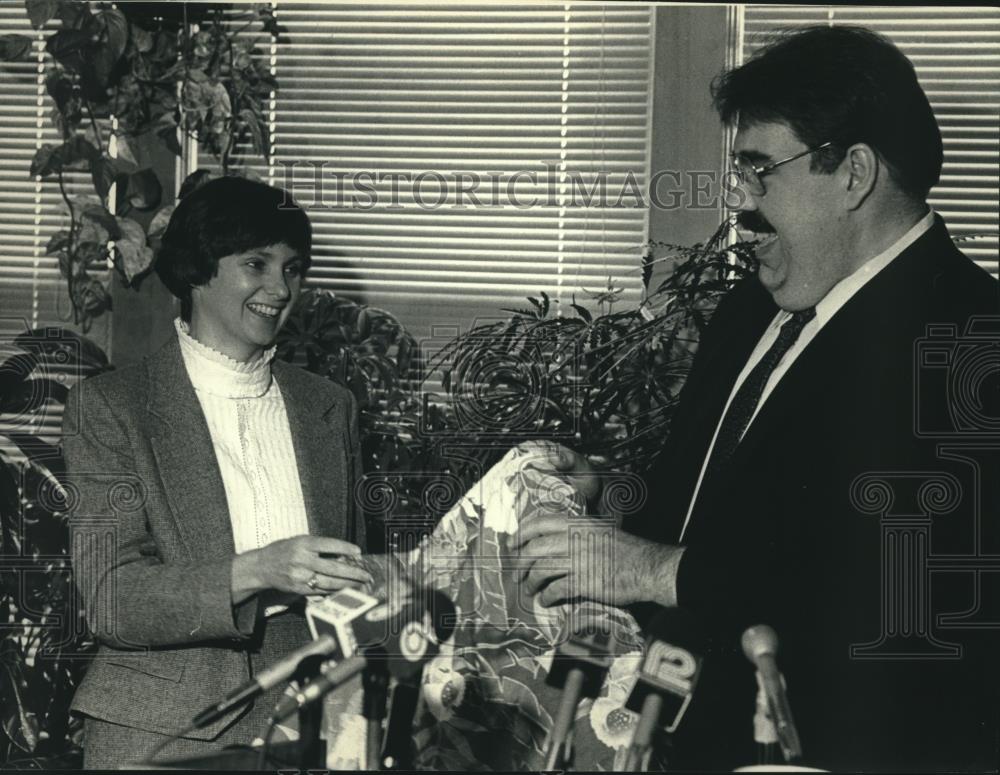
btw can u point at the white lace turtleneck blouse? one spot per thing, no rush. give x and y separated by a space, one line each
253 443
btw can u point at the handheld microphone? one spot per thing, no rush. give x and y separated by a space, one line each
579 667
760 644
268 678
665 683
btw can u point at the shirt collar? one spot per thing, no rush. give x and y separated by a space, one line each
842 292
216 373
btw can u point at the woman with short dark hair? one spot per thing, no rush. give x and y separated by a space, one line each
238 472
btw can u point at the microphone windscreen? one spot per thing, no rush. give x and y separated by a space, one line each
758 641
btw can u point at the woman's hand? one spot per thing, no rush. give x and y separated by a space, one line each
302 565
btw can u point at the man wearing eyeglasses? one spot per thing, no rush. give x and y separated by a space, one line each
793 490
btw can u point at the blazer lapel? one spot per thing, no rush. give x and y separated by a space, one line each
319 437
185 457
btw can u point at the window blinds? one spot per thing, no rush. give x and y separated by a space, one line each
32 291
956 53
456 159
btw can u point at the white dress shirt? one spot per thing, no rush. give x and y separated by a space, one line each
826 308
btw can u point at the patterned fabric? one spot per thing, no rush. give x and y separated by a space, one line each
744 403
485 702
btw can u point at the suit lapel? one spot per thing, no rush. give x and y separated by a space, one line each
319 437
185 457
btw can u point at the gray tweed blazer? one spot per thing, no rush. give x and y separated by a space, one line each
152 544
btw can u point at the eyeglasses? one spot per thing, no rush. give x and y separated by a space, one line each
749 175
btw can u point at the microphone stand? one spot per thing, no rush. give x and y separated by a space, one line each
397 753
311 754
375 681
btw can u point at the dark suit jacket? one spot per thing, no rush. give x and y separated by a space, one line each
789 535
152 541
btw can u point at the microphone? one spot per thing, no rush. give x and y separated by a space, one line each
403 633
760 644
400 635
665 682
335 616
579 667
270 677
331 675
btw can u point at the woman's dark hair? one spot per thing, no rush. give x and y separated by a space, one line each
844 84
222 217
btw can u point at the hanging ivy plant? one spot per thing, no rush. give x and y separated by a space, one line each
117 72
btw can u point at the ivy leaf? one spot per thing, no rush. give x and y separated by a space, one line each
123 147
112 27
73 14
78 149
96 215
136 256
168 135
40 11
144 190
14 48
67 47
270 23
91 297
142 39
60 88
44 162
159 223
50 159
89 254
258 131
104 171
58 241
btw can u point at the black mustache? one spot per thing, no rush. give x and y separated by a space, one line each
752 221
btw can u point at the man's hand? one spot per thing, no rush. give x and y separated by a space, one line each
570 466
605 565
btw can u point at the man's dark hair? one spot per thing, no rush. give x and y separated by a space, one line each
844 84
222 217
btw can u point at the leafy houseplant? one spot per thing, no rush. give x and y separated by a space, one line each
120 72
605 385
43 646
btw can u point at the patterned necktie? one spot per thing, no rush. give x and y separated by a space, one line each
744 403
